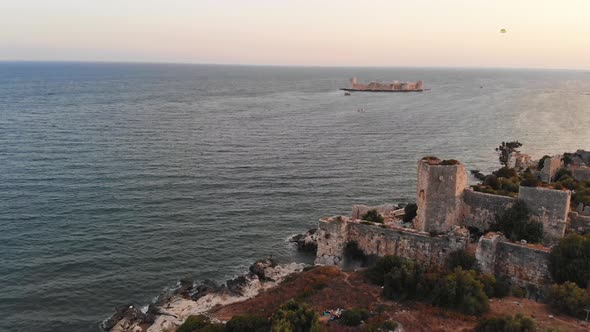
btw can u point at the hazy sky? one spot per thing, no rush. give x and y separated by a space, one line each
541 33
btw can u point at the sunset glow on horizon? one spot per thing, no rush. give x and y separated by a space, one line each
539 34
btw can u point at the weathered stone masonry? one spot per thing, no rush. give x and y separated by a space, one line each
523 264
480 209
432 251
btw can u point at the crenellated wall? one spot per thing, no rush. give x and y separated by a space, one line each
432 251
480 209
523 264
550 207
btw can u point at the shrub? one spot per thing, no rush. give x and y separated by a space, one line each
518 323
505 172
384 265
247 324
450 162
562 174
294 316
373 215
460 258
382 326
488 282
515 224
518 291
569 259
401 282
568 298
410 212
492 182
461 291
199 323
354 317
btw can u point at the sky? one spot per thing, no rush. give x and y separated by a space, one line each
430 33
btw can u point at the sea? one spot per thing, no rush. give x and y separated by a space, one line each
118 179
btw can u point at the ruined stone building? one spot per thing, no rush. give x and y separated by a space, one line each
446 208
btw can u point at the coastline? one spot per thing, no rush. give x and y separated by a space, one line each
171 308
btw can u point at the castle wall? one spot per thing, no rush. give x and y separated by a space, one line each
523 265
439 196
550 207
480 209
374 240
579 223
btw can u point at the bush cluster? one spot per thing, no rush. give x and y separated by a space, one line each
568 298
463 290
354 317
373 216
247 323
517 323
568 260
514 223
295 316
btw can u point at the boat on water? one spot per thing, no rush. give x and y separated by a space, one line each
394 86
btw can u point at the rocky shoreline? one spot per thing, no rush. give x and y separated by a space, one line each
171 308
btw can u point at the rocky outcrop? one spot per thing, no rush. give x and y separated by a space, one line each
307 241
126 318
172 307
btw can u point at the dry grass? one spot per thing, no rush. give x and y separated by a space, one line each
329 288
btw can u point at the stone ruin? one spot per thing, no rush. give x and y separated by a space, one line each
446 208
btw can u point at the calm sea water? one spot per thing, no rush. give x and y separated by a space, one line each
116 180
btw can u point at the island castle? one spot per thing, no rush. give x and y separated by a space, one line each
447 208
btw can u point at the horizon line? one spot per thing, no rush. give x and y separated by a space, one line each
281 65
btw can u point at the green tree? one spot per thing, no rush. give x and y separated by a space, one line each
505 149
570 260
514 223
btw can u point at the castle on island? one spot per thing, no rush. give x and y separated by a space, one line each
448 209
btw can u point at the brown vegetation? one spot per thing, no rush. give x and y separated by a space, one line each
328 288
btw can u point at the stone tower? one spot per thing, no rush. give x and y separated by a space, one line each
439 194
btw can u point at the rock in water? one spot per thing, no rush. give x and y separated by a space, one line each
306 242
237 285
259 266
207 287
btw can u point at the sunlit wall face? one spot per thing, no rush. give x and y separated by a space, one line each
539 33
